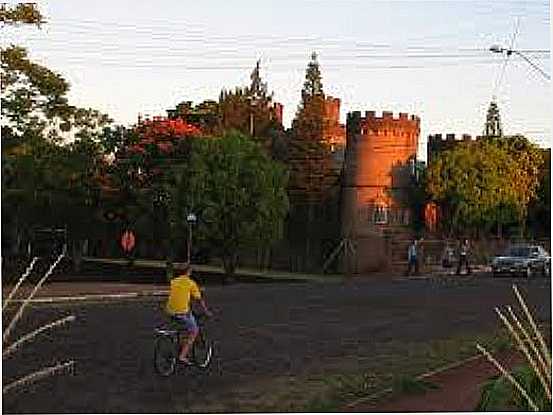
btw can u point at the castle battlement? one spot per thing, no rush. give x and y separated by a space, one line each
438 138
386 115
438 143
385 125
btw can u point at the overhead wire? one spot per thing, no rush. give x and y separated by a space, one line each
153 53
501 74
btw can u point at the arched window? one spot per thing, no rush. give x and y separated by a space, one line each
380 214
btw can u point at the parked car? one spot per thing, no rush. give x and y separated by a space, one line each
525 260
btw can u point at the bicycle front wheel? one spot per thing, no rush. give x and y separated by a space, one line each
165 355
202 351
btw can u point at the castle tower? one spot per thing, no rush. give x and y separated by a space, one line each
437 144
334 133
380 156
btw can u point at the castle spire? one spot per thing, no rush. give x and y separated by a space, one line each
493 121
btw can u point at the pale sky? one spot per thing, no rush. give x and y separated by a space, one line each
428 58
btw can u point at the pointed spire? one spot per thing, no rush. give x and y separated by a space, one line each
493 121
258 89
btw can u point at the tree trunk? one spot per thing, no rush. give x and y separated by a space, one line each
267 259
230 261
77 255
307 263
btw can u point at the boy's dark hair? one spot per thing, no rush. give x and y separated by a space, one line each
185 269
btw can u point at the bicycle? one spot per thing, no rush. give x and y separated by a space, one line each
167 346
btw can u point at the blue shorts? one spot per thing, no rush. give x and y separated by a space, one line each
186 320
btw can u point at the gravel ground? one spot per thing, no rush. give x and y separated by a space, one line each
263 333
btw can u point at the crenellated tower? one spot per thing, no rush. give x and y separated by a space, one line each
380 156
437 144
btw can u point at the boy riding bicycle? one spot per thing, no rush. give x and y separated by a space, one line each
182 290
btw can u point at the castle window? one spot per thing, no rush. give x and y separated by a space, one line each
380 215
405 216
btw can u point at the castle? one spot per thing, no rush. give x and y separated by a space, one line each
334 133
437 144
355 190
379 160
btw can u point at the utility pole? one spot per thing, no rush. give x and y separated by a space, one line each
509 52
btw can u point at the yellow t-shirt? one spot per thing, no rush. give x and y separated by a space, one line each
182 288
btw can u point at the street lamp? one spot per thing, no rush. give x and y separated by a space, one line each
509 52
191 220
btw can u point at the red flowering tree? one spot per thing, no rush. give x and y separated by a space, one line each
153 144
141 173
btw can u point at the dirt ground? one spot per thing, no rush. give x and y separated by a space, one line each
274 343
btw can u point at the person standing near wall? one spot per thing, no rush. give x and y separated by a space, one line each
412 259
464 251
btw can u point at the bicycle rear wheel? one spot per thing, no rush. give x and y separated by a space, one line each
165 355
202 351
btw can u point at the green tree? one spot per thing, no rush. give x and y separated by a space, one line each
308 123
417 196
313 85
237 192
249 110
146 157
205 115
539 216
491 182
50 157
309 155
20 13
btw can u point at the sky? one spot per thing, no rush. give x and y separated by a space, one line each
428 58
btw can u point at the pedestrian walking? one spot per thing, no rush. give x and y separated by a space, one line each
412 259
464 252
448 256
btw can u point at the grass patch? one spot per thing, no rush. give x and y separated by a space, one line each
394 364
397 366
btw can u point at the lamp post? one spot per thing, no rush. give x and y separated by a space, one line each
191 220
509 52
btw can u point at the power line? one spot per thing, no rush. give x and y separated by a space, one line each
258 39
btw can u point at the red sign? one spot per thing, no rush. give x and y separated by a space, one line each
127 241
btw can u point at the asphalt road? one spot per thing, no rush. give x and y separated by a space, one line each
262 332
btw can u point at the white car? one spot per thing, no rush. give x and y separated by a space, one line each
524 260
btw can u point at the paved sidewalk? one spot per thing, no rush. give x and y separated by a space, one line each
54 291
75 291
242 272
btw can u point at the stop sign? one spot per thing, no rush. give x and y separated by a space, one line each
127 241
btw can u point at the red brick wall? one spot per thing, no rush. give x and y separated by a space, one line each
334 133
278 109
382 155
377 168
